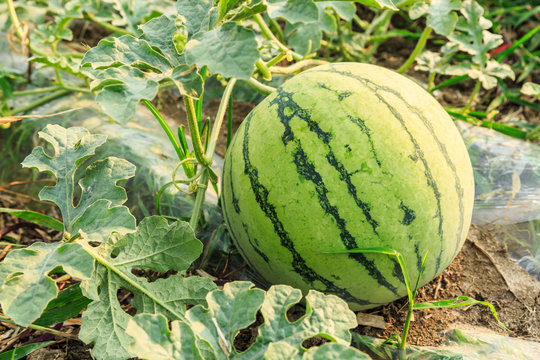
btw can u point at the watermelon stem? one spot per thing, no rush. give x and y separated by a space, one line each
417 49
206 172
473 96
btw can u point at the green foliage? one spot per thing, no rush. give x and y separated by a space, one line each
156 246
531 89
236 59
441 15
154 45
22 351
26 287
234 308
99 209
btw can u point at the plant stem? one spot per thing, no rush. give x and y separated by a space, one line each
297 66
533 133
219 119
260 87
267 33
229 123
6 319
194 131
14 19
277 30
473 96
417 50
431 81
263 69
406 326
55 95
199 199
89 16
35 91
275 60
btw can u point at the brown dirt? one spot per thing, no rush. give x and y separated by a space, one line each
482 270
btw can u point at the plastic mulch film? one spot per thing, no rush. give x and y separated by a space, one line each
506 174
459 345
507 200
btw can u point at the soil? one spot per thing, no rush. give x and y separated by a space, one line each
482 270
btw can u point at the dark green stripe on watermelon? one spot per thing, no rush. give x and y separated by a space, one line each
261 196
305 168
444 151
419 153
409 214
255 244
366 131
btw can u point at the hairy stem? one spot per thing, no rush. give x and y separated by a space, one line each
417 50
15 19
260 87
35 91
219 120
297 66
199 199
473 96
194 131
276 59
263 69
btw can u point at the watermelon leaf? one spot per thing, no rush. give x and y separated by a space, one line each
99 210
25 286
531 89
127 69
214 329
381 4
237 59
156 246
194 14
472 35
294 11
440 14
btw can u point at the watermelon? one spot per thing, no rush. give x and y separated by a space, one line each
347 156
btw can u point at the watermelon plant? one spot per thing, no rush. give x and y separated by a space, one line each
335 190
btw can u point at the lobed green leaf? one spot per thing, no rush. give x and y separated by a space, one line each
155 246
230 50
25 285
209 332
99 209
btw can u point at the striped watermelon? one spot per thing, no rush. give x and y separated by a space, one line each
348 156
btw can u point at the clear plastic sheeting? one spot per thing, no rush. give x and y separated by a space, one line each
507 200
506 174
459 345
